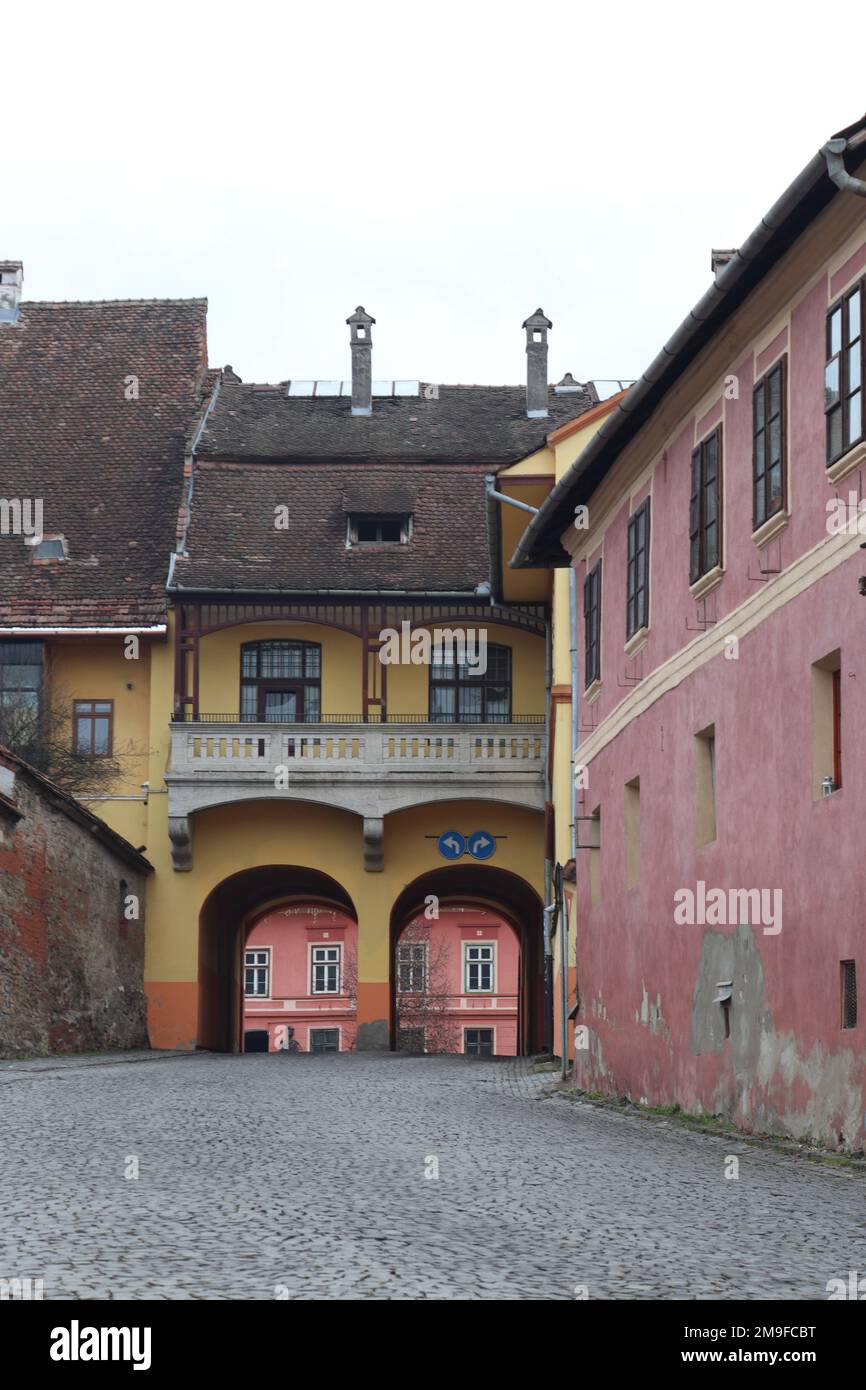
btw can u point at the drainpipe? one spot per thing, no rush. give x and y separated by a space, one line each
494 496
833 152
548 867
572 624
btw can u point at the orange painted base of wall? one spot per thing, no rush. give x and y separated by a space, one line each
374 1016
172 1014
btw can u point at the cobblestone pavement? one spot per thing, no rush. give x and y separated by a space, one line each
304 1177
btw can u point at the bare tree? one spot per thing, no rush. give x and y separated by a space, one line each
43 737
423 1009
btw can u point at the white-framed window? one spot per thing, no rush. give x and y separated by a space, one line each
326 970
478 969
412 968
257 973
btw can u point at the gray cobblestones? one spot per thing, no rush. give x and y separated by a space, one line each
304 1177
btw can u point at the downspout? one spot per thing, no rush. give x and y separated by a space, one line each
492 497
833 152
572 625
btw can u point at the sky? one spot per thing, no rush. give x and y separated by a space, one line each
450 166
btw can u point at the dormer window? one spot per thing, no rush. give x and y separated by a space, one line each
50 548
369 529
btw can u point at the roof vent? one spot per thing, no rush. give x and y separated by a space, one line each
11 280
568 386
719 259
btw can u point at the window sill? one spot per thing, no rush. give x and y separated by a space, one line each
707 581
637 641
854 458
592 691
771 527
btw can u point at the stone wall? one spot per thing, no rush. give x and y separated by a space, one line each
71 963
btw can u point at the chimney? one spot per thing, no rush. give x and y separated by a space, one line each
719 259
362 363
536 364
11 279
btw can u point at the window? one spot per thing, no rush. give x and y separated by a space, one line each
637 602
411 1040
366 530
257 973
827 725
324 1040
478 1042
632 832
479 969
411 968
843 374
705 785
281 682
20 675
849 994
460 695
50 548
93 731
326 970
592 625
705 511
768 445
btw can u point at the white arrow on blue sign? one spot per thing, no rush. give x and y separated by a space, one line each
481 845
451 844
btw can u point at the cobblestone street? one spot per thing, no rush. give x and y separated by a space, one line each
274 1176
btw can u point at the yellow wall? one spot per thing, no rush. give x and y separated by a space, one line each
98 670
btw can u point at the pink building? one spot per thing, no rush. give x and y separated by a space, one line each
457 981
300 978
721 914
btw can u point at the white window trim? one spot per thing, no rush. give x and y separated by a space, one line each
474 1027
494 963
269 951
312 963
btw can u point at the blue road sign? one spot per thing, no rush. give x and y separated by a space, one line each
481 844
451 844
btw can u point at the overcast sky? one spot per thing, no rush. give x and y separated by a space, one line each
450 166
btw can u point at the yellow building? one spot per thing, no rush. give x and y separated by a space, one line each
283 618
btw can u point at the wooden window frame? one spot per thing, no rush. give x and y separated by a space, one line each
379 520
638 571
326 966
702 563
265 684
86 709
592 625
483 683
761 462
843 358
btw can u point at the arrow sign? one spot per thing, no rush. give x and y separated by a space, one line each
481 845
451 844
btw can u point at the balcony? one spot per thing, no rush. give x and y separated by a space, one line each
370 769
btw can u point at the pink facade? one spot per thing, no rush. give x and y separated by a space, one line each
457 982
706 750
300 979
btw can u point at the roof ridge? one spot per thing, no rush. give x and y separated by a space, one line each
95 303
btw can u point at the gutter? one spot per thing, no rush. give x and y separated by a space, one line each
155 630
784 222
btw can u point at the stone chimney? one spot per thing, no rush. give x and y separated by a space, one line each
362 361
536 364
719 259
11 279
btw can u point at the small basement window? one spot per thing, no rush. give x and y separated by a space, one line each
50 548
849 994
369 529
